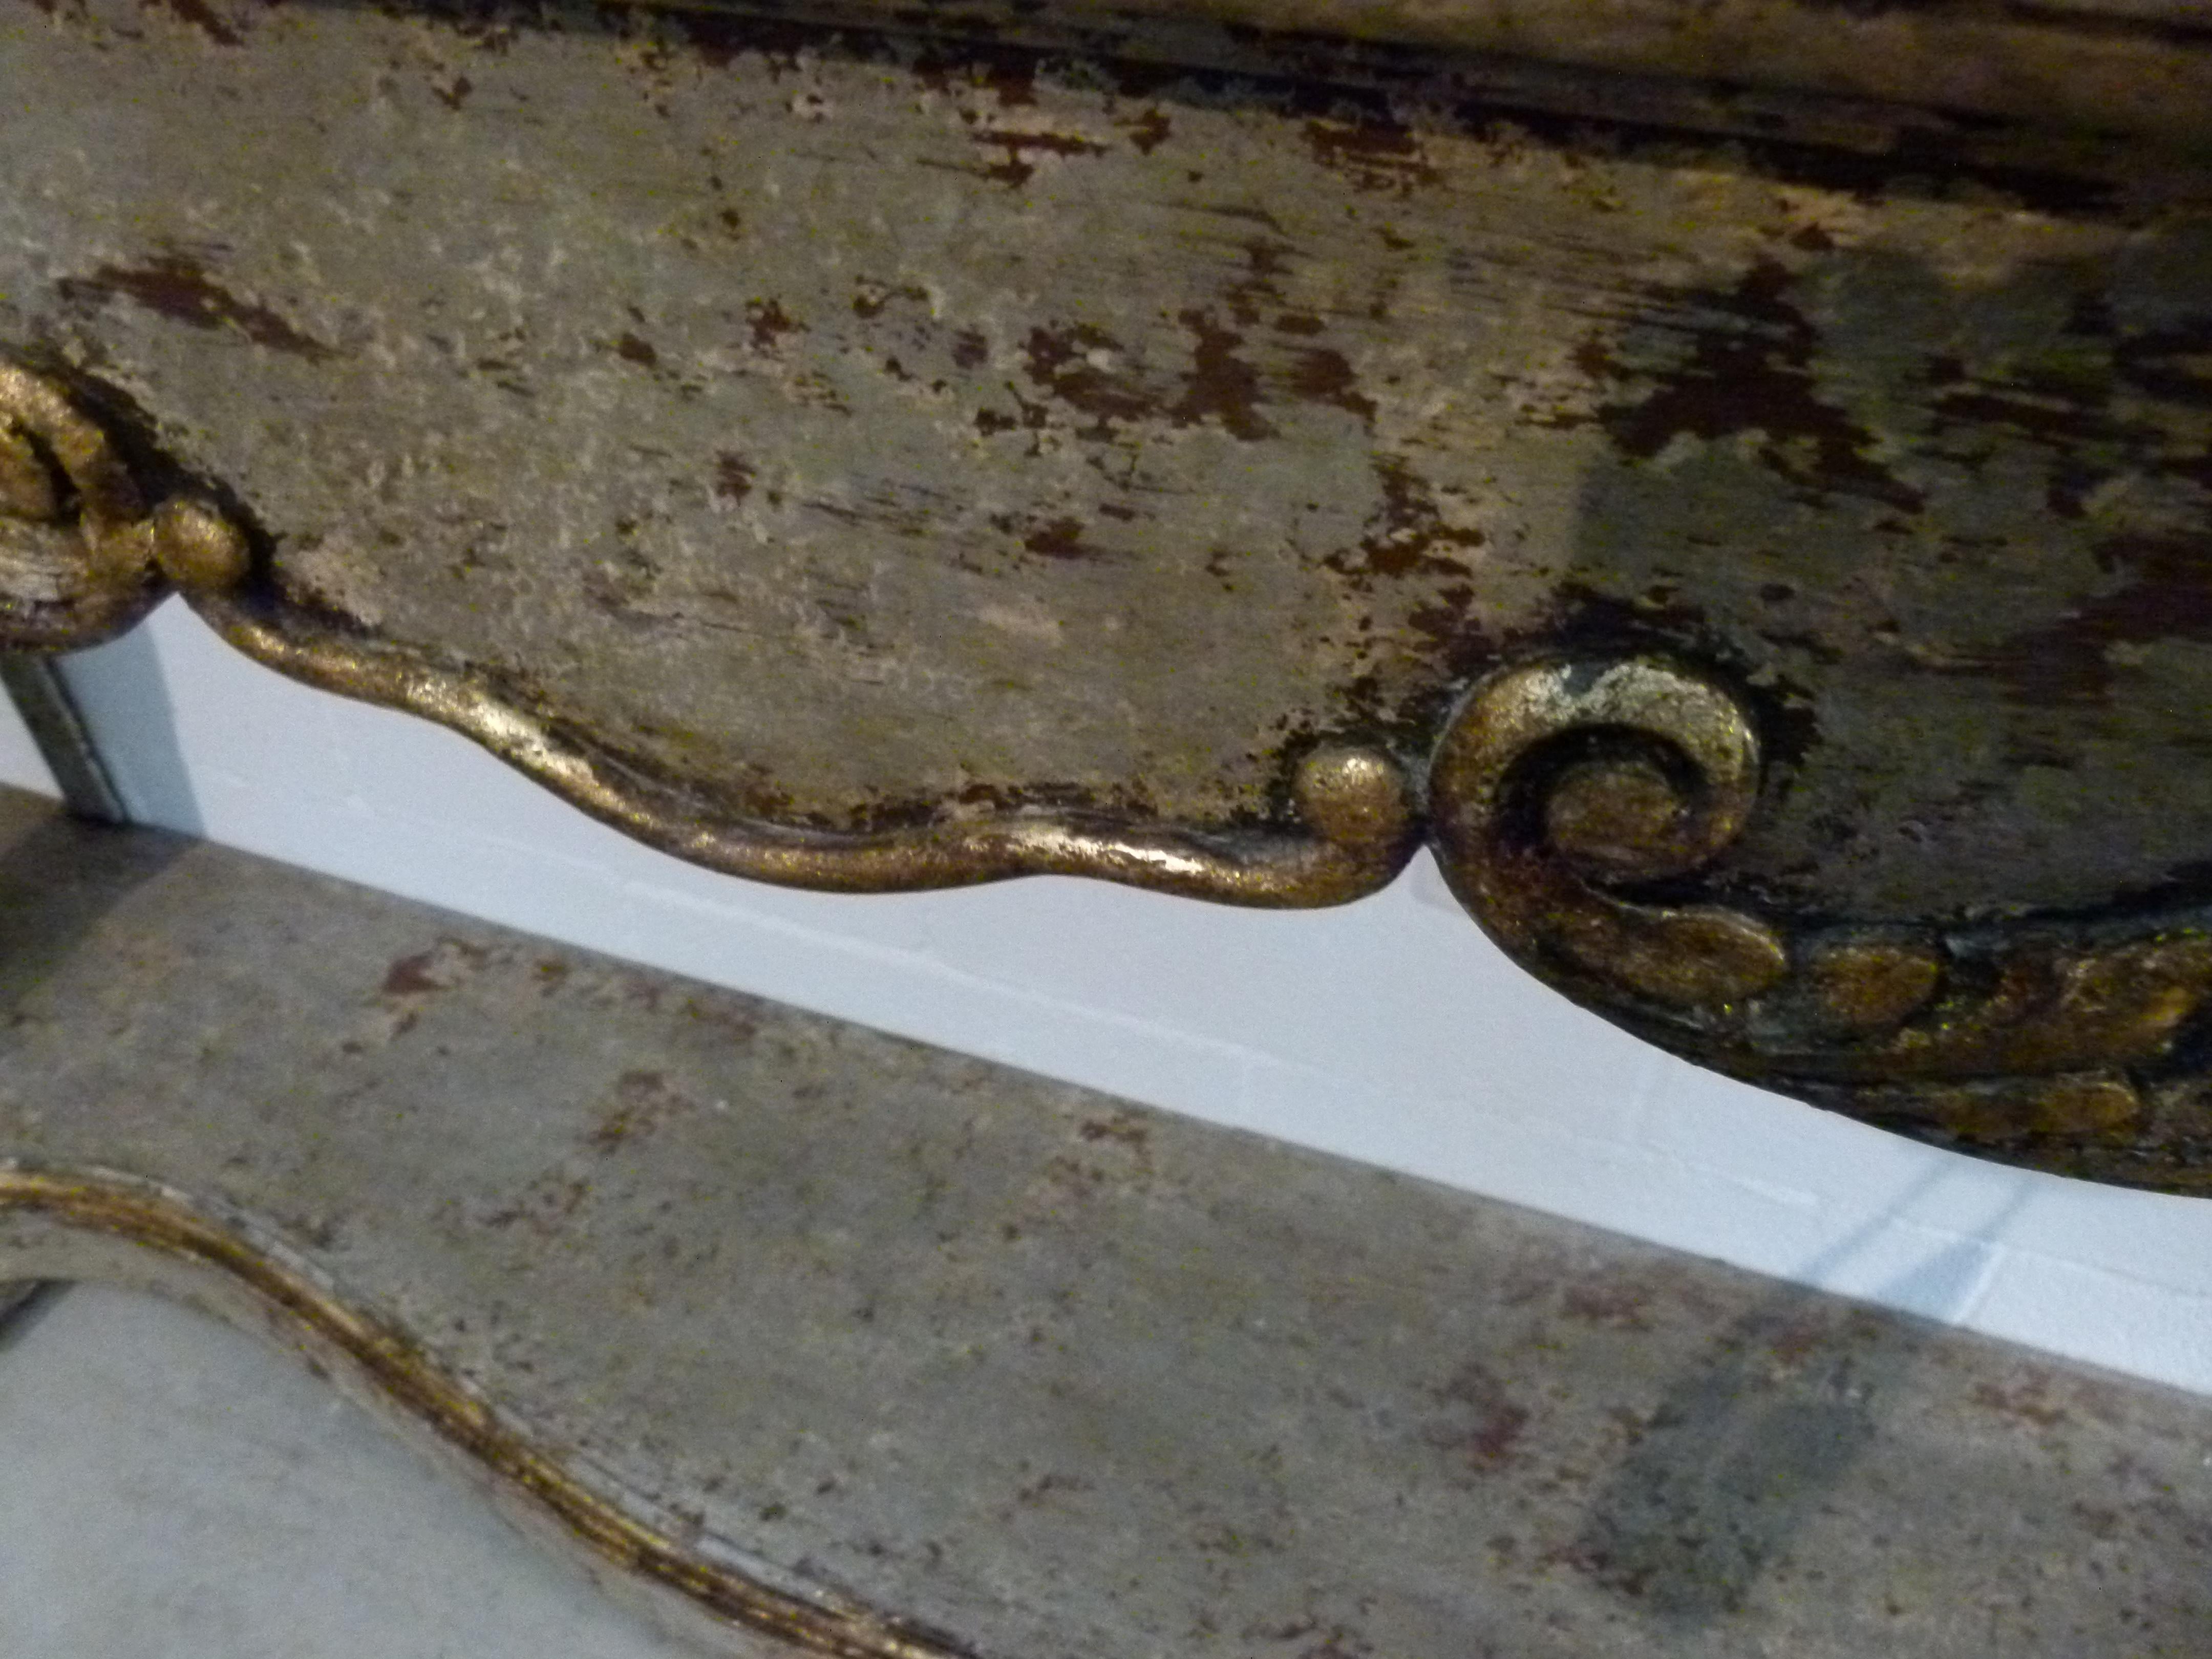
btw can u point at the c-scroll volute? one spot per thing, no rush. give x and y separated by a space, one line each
83 554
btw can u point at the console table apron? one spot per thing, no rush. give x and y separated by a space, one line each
1735 482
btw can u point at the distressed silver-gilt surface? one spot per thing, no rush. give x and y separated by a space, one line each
973 1363
845 431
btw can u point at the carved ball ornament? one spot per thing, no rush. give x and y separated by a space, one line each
1577 806
1758 542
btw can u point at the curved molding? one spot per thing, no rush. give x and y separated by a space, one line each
1355 801
2105 65
116 557
1563 790
1576 804
395 1371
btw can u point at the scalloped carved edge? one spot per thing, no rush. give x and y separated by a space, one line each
1559 794
1356 802
386 1364
1564 788
100 556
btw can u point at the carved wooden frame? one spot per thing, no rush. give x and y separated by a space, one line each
1588 758
1719 421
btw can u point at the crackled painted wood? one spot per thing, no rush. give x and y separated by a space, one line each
1759 541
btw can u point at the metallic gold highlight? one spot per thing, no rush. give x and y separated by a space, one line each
1560 794
384 1357
76 553
81 558
1560 783
1560 780
1356 802
2025 1003
198 548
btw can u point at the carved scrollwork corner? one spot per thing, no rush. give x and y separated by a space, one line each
1585 810
1569 799
1561 783
84 553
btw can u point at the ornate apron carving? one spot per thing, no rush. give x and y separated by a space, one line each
1564 788
1769 568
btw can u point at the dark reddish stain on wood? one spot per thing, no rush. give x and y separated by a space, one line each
1487 1422
870 297
1059 361
733 477
2166 595
768 322
411 976
1017 168
1323 376
1378 156
1220 386
1148 131
1750 369
178 287
1407 535
1057 537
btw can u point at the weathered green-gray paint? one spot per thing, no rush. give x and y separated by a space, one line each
849 432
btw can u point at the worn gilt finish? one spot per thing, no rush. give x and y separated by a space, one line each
80 556
1558 786
1758 537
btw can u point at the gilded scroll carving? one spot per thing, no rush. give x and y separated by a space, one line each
77 553
1561 782
1768 567
1565 792
1578 806
82 555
